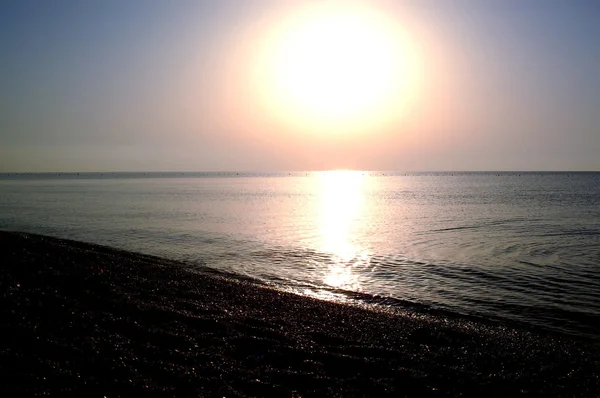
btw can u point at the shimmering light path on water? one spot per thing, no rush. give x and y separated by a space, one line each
519 246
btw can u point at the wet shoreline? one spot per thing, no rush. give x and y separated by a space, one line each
85 319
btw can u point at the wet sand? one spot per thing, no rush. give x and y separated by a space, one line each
80 319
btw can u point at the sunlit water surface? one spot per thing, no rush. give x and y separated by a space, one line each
518 246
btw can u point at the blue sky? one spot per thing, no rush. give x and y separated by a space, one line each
152 85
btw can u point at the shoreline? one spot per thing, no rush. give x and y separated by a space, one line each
87 319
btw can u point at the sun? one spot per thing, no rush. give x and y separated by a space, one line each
337 66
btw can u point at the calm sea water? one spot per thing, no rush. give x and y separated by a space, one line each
516 246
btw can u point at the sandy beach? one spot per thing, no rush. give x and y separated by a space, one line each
87 320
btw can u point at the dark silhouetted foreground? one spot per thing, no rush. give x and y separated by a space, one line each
81 319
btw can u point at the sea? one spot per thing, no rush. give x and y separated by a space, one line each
518 247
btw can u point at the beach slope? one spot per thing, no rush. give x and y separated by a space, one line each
80 319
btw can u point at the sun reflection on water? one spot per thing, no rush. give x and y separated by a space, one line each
341 200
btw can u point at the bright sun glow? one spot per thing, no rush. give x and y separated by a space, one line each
337 66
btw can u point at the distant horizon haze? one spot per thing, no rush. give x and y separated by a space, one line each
293 172
270 85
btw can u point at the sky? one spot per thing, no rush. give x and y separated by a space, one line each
299 85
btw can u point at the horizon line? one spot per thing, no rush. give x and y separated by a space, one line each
291 171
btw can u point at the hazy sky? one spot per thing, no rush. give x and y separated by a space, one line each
157 85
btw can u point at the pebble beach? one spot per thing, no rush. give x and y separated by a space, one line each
86 320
